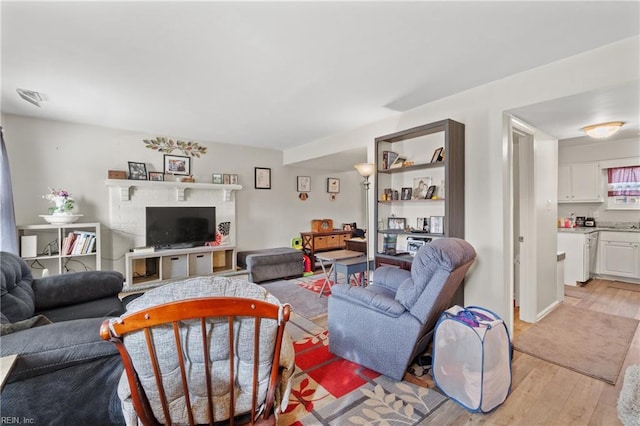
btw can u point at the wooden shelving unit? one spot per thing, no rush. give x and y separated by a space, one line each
418 146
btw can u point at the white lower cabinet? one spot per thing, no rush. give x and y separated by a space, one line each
580 258
619 254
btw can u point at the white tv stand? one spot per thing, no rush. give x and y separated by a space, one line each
151 269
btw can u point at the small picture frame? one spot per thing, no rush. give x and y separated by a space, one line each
420 188
397 223
406 193
423 224
262 177
216 178
226 179
430 192
437 155
137 171
333 185
177 165
233 179
156 176
304 184
437 224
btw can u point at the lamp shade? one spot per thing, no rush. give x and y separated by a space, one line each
365 169
602 130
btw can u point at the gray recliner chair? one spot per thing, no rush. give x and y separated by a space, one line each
385 325
64 373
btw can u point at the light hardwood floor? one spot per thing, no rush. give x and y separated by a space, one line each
545 394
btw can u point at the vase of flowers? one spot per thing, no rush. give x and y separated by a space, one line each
62 202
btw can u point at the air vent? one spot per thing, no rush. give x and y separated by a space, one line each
30 96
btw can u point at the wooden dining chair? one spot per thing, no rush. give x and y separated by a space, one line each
202 361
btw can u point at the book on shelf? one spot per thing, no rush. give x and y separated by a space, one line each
388 158
81 242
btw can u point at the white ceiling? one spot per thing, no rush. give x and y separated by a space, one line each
282 74
563 118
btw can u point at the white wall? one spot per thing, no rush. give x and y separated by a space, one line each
601 151
487 195
75 157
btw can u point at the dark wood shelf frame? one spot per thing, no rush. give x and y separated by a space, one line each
454 175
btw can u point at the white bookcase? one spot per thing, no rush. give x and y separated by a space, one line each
150 269
48 239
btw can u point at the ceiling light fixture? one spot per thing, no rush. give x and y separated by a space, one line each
603 130
30 96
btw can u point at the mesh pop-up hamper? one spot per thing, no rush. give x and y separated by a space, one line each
471 358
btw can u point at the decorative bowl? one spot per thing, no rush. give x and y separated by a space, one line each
60 219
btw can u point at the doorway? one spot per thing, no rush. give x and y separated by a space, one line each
524 283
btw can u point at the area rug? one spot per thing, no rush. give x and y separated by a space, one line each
329 390
589 342
303 294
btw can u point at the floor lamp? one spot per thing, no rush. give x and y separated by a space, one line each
366 170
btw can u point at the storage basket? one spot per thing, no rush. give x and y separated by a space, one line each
471 358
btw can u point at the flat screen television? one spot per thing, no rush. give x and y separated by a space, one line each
178 227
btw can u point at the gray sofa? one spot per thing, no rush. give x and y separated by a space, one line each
385 325
65 374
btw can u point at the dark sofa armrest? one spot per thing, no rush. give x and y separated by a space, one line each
57 346
75 287
367 298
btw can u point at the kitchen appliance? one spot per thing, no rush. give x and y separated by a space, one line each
580 221
590 222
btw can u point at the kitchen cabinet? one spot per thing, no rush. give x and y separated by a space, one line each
619 254
579 182
580 255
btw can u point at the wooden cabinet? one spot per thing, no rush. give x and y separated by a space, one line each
323 241
619 254
579 182
435 158
146 270
47 241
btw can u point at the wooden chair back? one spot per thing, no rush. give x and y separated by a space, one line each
202 310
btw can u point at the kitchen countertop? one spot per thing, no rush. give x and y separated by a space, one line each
586 230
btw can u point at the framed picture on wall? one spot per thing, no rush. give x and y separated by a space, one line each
333 185
262 177
304 183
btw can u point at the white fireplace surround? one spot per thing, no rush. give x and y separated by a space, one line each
129 198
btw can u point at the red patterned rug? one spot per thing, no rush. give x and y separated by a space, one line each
329 390
315 284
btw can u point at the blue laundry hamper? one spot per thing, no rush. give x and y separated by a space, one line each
472 358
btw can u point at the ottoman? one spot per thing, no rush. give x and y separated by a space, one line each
271 264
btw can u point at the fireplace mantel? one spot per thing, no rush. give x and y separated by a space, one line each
125 186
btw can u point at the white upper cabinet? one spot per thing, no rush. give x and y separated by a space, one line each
579 183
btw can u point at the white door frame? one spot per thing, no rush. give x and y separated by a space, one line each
525 191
